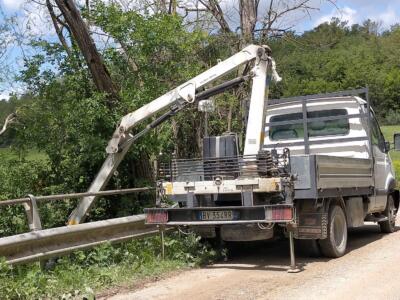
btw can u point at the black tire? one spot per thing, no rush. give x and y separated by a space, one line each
335 244
389 225
308 248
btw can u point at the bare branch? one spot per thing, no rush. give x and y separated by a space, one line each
58 29
9 120
215 9
301 5
274 14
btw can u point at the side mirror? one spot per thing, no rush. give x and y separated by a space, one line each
396 139
387 147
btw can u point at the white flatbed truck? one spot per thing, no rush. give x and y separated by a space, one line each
311 166
323 168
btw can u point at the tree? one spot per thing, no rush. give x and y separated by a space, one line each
81 35
260 19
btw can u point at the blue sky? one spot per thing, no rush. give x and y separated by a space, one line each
386 12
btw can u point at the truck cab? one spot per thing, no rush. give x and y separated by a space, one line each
340 131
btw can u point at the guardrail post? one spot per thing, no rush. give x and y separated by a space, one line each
162 229
32 214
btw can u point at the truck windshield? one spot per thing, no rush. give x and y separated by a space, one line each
315 128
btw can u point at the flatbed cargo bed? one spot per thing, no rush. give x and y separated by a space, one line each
328 176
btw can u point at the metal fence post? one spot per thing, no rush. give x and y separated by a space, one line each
161 228
32 213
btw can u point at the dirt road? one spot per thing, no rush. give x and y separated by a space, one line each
370 270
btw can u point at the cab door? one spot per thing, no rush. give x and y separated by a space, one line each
382 169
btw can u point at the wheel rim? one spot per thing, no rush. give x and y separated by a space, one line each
339 231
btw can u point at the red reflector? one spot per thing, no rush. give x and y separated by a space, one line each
279 213
156 217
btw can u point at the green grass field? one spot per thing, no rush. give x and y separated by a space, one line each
7 154
388 132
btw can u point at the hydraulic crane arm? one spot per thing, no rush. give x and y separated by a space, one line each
175 100
183 93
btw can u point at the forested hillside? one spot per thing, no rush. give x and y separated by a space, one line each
336 57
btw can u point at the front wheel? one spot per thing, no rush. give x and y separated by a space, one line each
388 226
335 244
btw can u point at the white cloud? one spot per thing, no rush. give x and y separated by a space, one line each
385 17
344 14
4 96
389 17
12 4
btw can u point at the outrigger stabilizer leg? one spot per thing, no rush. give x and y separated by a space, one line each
293 267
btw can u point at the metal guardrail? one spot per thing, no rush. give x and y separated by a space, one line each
32 211
47 243
41 243
74 195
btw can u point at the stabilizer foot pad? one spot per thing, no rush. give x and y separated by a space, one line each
294 270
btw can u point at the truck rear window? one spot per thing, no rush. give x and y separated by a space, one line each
315 128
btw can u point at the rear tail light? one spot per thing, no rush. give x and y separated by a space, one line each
282 213
156 217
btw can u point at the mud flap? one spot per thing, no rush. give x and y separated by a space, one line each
311 226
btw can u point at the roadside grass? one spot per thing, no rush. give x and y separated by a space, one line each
84 274
31 155
388 132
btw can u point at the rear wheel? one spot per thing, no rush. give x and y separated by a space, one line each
335 244
388 226
308 248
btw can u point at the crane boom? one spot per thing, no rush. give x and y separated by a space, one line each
121 140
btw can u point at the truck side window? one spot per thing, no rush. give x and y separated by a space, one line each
376 134
316 128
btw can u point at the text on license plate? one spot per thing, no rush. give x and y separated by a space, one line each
213 215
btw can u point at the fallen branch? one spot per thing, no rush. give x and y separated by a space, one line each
10 119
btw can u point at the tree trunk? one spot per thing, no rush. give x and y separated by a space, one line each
142 169
80 32
248 19
175 131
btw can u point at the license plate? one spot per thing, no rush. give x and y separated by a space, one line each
216 215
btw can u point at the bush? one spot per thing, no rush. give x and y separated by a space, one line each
17 179
392 117
83 273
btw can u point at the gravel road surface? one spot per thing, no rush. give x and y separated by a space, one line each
370 270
